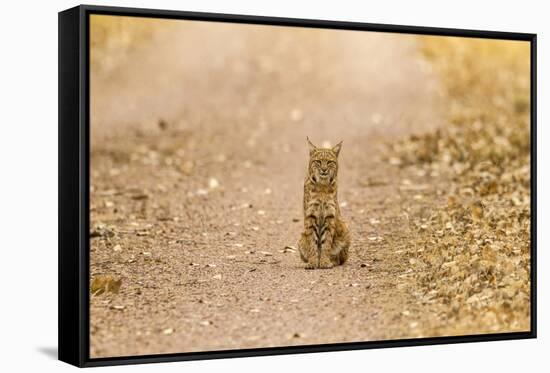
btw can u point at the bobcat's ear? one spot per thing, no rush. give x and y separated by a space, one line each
312 147
337 148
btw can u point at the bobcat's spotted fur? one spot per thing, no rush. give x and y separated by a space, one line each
326 239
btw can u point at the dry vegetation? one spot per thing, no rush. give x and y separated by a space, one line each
472 256
113 37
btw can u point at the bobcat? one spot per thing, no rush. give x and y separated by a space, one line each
326 238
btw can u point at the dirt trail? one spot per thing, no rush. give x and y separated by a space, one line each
198 159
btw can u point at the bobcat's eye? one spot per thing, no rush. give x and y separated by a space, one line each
331 163
317 163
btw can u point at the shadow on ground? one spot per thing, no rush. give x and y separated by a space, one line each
50 352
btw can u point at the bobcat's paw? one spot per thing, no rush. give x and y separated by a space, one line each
325 264
310 266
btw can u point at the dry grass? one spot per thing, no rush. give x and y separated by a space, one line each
473 255
112 37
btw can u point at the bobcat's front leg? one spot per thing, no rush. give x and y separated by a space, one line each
308 251
307 245
326 240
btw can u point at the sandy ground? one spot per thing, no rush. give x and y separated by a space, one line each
198 157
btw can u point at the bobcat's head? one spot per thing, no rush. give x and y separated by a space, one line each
323 164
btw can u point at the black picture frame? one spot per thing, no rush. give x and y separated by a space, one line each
74 181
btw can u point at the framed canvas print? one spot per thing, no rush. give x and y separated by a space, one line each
235 186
